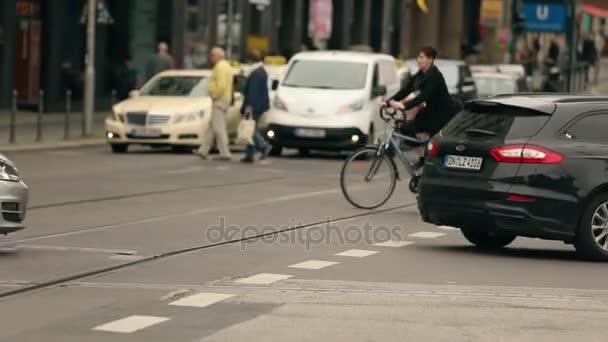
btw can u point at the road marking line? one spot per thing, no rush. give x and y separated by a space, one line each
264 279
201 300
314 264
357 253
447 228
427 235
79 249
394 244
131 324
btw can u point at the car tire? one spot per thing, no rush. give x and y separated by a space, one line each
276 151
119 148
585 241
487 240
182 149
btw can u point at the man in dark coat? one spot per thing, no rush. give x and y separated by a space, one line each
428 93
256 102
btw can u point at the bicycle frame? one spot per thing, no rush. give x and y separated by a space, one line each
392 142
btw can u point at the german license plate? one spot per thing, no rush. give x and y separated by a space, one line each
146 132
463 162
310 133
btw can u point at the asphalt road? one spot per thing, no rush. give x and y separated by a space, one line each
330 275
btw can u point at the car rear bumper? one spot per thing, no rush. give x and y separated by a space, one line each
443 206
13 206
334 139
177 134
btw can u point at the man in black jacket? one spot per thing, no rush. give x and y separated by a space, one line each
428 94
256 103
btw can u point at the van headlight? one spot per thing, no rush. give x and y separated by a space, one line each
188 117
8 172
353 107
279 104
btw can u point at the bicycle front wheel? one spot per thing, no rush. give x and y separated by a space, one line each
368 180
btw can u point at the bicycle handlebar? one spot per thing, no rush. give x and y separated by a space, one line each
391 113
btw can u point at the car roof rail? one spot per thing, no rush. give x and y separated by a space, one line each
532 94
583 98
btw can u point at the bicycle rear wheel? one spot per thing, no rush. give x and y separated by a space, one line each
368 180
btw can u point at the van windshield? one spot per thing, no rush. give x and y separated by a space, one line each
326 75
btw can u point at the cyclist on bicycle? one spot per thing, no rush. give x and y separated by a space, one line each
427 94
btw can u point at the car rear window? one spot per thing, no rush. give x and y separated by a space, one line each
506 122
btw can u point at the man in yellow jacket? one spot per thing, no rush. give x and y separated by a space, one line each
220 90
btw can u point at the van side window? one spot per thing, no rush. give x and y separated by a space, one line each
589 128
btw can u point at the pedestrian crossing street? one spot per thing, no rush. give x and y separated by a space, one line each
139 321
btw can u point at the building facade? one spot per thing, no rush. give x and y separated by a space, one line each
42 45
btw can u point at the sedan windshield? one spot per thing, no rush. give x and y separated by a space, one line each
177 86
488 86
327 75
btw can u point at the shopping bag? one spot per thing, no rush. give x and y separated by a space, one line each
246 131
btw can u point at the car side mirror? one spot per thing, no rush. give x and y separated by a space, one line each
275 84
134 93
379 91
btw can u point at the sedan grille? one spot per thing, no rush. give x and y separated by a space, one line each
137 118
157 119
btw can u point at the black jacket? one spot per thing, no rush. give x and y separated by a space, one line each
256 93
440 106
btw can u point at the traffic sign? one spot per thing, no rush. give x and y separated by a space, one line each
544 17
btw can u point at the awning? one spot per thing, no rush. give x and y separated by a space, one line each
596 8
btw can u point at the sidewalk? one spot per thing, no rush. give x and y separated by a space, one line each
53 131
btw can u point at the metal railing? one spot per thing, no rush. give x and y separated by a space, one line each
39 119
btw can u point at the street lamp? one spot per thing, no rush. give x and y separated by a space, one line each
89 76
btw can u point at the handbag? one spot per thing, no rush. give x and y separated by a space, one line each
246 131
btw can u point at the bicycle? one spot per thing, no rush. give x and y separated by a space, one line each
382 154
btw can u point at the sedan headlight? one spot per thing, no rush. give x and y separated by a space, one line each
8 172
353 107
188 117
279 104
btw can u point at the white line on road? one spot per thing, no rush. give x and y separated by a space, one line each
314 265
201 300
79 249
131 324
426 235
357 253
394 244
263 279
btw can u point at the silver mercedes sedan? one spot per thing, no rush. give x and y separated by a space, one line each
13 197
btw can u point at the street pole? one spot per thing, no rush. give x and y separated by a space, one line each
571 42
229 30
89 96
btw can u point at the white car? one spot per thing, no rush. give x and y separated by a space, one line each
14 196
172 109
330 100
491 84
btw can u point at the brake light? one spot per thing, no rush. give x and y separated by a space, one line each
433 148
525 154
521 198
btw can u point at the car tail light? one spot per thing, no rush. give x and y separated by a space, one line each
521 198
433 148
526 154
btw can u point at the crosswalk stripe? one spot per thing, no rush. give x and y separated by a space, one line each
201 300
314 264
357 253
263 279
394 244
427 235
131 324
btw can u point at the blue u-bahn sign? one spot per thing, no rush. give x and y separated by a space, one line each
544 17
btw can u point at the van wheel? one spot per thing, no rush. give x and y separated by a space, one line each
487 240
591 241
119 148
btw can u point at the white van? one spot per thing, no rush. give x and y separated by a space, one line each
330 100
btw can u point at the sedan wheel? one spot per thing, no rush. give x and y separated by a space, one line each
592 238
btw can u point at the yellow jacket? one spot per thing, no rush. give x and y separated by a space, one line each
220 85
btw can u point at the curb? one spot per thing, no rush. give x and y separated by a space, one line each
53 146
